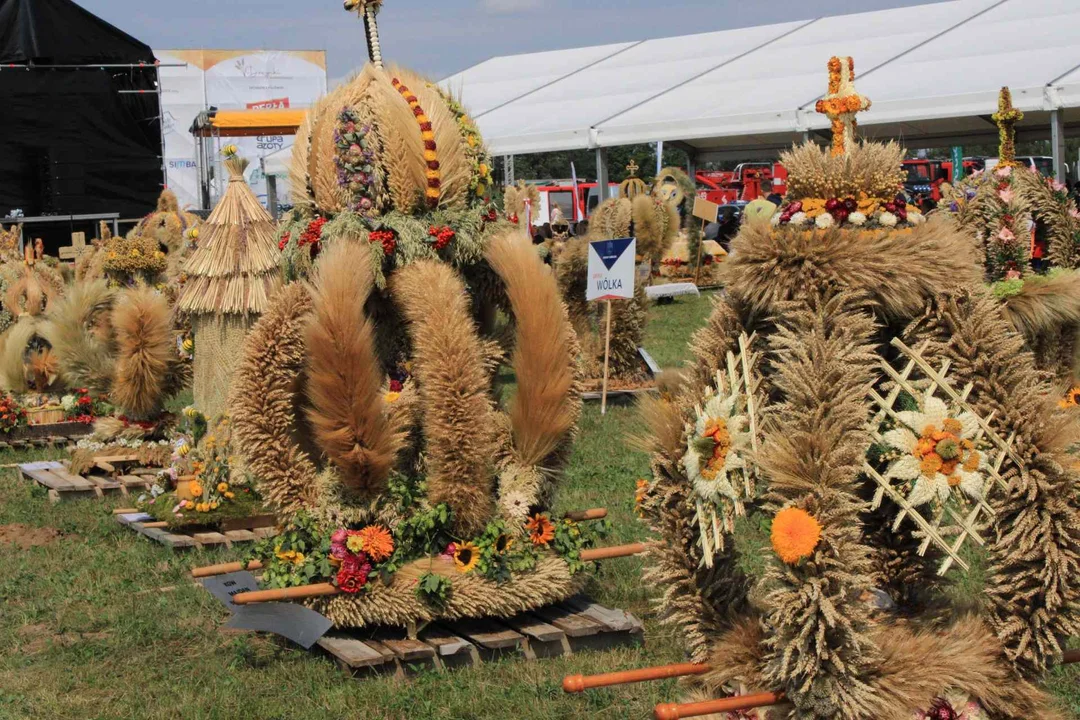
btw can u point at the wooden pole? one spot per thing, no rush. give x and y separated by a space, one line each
591 514
224 569
615 551
700 245
290 593
1070 656
581 683
607 357
674 711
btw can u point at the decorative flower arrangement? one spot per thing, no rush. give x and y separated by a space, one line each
641 494
386 238
795 535
936 451
80 407
355 161
12 415
481 180
440 236
230 150
864 212
431 150
351 558
185 346
715 460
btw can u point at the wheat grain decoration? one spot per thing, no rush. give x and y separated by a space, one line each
231 277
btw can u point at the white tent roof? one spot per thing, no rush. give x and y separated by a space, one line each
932 71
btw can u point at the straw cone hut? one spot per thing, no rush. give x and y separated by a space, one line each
231 276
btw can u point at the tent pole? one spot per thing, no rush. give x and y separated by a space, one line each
691 166
1057 142
601 173
508 170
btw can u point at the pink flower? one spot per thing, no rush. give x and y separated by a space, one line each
1012 275
1004 171
1007 195
449 551
350 127
1058 186
1006 235
339 536
1074 213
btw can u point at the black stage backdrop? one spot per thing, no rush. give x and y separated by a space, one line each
70 141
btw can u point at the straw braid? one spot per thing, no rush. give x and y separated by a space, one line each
431 150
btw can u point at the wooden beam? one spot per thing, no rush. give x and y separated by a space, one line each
674 711
581 683
616 551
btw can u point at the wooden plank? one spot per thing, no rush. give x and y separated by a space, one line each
571 623
265 532
249 523
133 481
535 628
239 535
105 466
353 652
447 644
153 472
45 478
176 541
409 650
211 538
491 637
614 620
116 458
103 482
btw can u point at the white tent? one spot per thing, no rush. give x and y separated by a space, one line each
932 71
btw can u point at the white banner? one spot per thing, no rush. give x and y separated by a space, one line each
231 80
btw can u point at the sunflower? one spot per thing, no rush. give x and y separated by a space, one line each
466 556
715 449
795 534
378 542
1071 399
937 452
503 543
541 531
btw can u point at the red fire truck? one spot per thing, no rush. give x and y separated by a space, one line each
748 181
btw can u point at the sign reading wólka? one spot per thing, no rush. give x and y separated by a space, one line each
611 269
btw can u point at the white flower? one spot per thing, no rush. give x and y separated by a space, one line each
799 218
916 218
887 219
711 482
931 440
68 402
824 220
775 220
856 218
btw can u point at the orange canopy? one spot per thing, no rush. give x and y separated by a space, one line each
242 123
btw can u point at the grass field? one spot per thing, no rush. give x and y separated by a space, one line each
87 631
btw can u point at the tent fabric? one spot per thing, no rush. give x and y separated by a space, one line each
59 32
932 71
71 141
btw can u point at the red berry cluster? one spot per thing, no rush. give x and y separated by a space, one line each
284 241
386 238
313 234
443 236
512 217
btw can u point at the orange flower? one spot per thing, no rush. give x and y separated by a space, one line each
378 542
795 534
541 531
640 493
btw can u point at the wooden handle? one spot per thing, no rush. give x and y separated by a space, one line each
224 569
1070 656
673 711
581 683
291 593
125 511
591 514
616 551
153 525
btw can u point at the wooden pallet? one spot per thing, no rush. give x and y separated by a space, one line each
16 443
238 530
64 485
561 629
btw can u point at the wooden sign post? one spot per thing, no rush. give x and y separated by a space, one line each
611 277
708 212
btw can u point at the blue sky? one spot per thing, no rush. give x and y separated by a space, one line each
441 37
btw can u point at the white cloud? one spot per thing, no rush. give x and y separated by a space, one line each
506 7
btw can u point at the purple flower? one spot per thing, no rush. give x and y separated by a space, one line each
954 206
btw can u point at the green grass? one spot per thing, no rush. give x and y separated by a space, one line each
86 631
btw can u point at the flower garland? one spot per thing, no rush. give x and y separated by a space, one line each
864 212
481 180
355 161
431 151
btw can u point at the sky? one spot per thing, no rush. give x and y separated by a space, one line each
441 37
